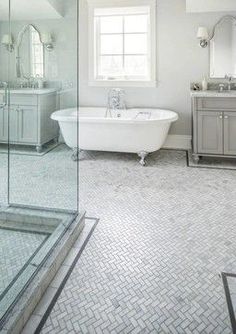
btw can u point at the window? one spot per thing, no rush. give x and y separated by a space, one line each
123 43
37 54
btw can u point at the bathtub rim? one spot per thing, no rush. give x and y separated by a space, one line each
60 117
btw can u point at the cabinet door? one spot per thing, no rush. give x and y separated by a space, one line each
230 133
210 132
3 124
13 130
27 124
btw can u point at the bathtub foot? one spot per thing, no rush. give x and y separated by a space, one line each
143 156
75 154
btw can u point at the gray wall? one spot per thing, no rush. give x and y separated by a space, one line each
180 61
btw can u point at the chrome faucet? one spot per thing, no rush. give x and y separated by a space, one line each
229 78
115 102
221 88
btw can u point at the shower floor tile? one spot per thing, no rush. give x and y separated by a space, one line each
16 250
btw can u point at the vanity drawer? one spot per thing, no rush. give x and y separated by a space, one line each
23 99
216 103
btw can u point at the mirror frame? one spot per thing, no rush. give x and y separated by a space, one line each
19 40
211 38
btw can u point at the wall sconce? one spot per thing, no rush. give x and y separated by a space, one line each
47 40
203 35
7 42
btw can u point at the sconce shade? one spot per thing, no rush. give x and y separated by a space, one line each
202 33
46 38
7 39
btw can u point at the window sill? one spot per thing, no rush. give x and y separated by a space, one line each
116 83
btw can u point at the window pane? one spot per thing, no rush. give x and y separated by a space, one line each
111 24
110 66
136 23
136 44
111 44
39 70
136 66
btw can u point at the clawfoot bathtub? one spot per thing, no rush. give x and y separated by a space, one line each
140 131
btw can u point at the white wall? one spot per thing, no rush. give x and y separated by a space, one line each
210 5
180 61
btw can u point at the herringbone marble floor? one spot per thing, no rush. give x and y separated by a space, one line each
153 262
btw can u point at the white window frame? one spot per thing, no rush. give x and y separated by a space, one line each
95 4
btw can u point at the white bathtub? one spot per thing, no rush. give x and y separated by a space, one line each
140 131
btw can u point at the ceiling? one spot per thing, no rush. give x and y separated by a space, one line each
31 9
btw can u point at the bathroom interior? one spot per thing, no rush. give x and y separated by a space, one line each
117 166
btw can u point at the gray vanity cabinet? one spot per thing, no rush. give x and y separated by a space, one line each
230 133
210 132
13 124
27 124
30 120
3 124
214 124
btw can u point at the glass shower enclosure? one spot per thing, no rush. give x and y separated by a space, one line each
38 179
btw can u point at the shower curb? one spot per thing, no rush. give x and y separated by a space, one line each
18 317
43 310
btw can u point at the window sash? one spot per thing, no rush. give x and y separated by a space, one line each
36 61
98 54
96 7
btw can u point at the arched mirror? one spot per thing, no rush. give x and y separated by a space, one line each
29 53
223 48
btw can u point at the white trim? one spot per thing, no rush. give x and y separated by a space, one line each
92 4
116 83
117 3
181 142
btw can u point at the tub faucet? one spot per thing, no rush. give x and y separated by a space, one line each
115 102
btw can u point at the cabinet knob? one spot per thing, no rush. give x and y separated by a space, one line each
226 117
220 116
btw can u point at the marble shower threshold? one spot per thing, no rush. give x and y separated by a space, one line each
57 231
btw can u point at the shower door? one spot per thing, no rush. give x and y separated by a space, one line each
4 103
38 177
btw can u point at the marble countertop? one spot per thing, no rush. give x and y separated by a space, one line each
213 93
30 91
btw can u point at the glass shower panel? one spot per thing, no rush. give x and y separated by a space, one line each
38 171
4 87
43 78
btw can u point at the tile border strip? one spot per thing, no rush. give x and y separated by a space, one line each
224 277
